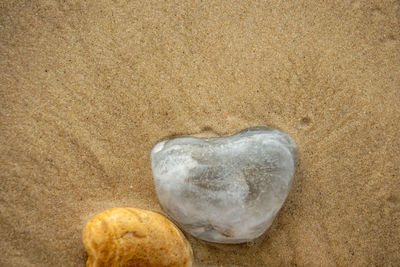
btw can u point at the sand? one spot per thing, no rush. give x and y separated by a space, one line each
88 87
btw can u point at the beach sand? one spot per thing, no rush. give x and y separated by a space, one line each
88 87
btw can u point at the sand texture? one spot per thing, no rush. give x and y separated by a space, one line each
88 87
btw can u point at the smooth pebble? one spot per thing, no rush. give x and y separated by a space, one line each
225 189
134 237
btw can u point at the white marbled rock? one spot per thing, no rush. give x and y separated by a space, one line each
225 189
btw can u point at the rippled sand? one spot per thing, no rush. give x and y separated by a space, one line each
88 88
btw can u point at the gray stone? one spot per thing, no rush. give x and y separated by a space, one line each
225 189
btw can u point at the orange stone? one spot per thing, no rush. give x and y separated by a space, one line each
134 237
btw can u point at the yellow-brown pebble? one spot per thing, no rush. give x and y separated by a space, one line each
134 237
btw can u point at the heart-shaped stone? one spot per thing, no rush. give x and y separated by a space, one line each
225 189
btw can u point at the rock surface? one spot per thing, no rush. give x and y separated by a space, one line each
225 189
134 237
